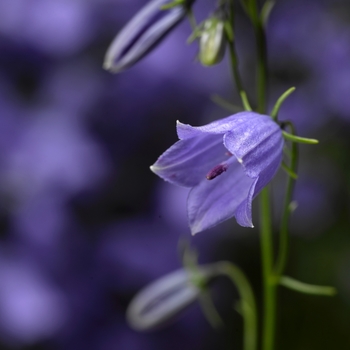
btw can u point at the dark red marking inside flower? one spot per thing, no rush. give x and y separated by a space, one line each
216 171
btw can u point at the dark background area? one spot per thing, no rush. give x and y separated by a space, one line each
84 223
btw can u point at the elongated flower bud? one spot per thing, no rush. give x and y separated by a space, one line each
165 298
212 42
143 32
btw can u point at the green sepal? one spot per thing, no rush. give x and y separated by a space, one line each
229 31
225 104
289 171
197 32
299 139
266 11
245 101
279 102
306 288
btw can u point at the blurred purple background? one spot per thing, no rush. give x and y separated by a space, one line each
85 224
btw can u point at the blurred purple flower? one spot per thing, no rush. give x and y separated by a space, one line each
32 308
56 27
146 29
165 298
249 139
53 152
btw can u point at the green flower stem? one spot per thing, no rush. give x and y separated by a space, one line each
284 236
247 303
262 66
269 281
234 61
209 309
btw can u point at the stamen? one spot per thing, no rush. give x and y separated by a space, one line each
216 171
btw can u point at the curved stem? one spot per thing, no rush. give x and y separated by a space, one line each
248 304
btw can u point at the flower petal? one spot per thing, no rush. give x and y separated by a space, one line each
221 126
244 211
187 162
214 201
256 144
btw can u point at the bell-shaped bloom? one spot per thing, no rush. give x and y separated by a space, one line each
164 299
144 31
226 163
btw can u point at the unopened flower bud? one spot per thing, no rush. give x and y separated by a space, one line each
143 32
212 41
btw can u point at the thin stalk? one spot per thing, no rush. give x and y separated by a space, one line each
269 282
284 235
234 62
247 303
262 67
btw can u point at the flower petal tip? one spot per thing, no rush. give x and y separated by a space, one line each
195 229
153 168
178 123
108 66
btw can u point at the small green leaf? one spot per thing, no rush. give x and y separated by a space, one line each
306 288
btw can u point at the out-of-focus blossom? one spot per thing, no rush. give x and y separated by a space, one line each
245 149
32 309
53 153
165 298
146 29
57 27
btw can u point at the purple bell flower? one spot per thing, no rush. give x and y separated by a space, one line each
227 163
145 30
165 298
